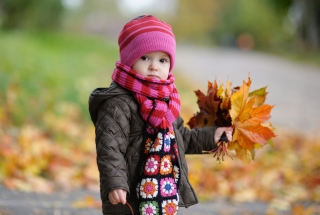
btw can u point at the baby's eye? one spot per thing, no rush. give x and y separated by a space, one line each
163 60
144 58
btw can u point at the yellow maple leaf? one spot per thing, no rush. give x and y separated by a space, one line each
240 108
248 115
239 100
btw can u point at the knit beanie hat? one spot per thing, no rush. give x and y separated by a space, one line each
146 34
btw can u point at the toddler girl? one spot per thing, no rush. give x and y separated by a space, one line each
141 140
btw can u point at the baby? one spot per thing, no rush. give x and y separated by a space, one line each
141 140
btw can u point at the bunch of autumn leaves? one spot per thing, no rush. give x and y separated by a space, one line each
240 108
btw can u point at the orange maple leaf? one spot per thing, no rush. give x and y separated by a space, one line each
240 108
248 114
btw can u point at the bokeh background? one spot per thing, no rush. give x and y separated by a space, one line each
54 53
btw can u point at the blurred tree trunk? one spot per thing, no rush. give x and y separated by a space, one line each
309 24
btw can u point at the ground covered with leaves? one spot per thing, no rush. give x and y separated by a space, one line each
282 175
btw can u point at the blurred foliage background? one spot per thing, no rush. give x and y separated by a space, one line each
267 25
53 53
55 34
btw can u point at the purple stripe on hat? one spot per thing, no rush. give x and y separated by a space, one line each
142 30
150 23
130 25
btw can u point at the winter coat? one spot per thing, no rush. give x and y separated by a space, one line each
119 132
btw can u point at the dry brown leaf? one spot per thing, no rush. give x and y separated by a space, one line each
240 108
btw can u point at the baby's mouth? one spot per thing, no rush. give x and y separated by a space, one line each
153 77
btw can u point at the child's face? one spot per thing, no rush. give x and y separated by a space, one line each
154 65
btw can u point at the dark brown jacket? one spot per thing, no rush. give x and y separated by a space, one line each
119 141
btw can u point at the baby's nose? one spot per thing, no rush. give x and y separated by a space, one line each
153 65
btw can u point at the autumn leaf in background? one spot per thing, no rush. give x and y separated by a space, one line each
245 111
87 202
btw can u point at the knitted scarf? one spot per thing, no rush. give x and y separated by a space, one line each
159 102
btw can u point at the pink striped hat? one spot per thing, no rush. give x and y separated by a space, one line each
146 34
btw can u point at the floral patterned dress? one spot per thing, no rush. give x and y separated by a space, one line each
157 191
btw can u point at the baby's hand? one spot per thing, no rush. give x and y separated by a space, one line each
118 196
219 132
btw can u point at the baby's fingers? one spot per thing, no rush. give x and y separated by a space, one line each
114 197
112 200
123 196
229 135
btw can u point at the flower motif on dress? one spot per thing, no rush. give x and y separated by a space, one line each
149 188
176 173
160 136
171 134
174 152
167 142
168 187
166 165
173 157
152 165
147 145
169 207
149 208
156 145
150 130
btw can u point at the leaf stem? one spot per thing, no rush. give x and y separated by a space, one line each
220 151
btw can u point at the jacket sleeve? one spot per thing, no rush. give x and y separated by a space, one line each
112 139
196 140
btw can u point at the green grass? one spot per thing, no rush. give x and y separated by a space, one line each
40 70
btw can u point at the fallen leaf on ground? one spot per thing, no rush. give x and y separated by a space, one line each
87 202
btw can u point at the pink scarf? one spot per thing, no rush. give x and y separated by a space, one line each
151 95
